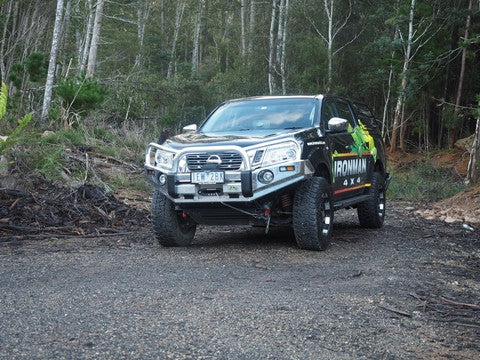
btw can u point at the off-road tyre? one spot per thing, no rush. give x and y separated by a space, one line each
371 212
313 214
171 227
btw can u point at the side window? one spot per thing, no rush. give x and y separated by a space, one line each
364 113
344 112
329 111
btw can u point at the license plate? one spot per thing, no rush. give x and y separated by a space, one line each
208 177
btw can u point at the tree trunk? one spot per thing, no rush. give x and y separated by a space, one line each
284 48
243 6
271 68
178 22
251 29
64 35
389 90
397 119
142 16
473 172
47 98
87 38
402 127
453 133
278 53
196 39
97 25
162 17
4 39
330 37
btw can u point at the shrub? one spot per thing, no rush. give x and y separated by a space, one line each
81 94
422 181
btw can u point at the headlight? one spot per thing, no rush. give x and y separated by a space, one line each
164 159
281 153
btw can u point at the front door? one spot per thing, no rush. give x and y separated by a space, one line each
350 163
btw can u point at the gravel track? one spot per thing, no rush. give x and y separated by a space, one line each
238 294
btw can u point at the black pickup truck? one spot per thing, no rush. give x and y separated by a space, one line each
267 161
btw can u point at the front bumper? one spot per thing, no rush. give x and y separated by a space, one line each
242 185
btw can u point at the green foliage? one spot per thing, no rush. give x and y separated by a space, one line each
3 100
66 137
122 181
422 181
22 123
47 160
37 66
103 134
81 94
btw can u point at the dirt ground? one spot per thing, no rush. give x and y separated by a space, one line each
408 290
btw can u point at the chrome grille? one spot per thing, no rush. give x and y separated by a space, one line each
231 160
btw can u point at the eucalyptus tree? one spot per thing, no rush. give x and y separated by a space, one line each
97 25
47 97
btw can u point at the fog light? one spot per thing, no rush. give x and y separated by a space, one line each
265 176
162 179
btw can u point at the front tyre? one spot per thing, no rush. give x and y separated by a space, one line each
171 227
313 214
371 212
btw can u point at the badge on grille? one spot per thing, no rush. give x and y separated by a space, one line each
214 159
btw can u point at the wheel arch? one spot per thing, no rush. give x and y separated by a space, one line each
323 171
379 167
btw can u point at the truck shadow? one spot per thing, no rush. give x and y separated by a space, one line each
216 236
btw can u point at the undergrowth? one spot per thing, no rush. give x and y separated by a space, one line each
48 154
422 181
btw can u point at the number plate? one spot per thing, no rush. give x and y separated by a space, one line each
208 177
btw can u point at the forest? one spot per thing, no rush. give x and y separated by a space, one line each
156 64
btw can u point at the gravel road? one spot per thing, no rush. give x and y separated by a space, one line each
237 294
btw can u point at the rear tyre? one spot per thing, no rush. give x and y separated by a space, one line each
371 212
171 227
313 214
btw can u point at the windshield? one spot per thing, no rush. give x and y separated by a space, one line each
262 114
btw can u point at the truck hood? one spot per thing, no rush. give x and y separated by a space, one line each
238 138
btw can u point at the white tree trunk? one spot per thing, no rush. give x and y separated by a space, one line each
178 22
142 16
397 119
47 97
4 39
162 16
271 67
87 38
65 33
473 172
281 12
196 39
251 28
284 48
329 11
97 25
243 6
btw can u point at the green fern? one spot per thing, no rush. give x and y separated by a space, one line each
22 123
3 100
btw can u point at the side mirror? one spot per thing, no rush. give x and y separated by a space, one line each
190 128
337 124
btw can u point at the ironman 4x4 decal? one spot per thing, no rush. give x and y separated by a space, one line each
349 169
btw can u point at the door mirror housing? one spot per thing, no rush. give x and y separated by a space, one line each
190 128
337 124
